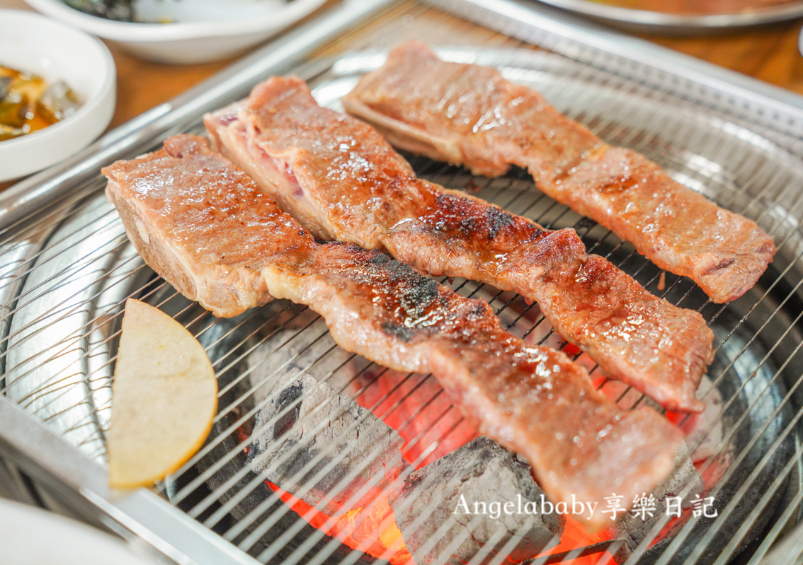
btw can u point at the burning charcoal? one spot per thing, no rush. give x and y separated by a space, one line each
431 506
295 427
635 526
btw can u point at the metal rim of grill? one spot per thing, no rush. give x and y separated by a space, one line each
67 268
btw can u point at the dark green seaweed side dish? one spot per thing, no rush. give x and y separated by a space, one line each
119 10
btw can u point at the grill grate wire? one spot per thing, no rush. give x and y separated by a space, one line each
307 343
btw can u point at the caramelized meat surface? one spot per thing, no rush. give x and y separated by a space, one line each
209 241
470 115
202 224
343 182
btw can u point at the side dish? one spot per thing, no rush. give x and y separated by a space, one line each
470 115
164 398
120 10
28 103
205 226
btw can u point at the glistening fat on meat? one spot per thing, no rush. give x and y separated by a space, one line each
342 181
470 115
206 227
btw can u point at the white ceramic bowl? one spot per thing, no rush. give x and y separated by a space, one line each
204 30
31 535
36 44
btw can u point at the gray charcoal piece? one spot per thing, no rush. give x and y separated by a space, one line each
481 470
288 434
633 529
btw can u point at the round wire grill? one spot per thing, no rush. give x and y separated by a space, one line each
78 268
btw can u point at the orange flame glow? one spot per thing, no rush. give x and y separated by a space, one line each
575 536
423 417
356 528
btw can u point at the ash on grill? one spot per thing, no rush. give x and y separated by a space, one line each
479 471
304 420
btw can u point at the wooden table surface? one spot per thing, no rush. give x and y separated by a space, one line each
768 53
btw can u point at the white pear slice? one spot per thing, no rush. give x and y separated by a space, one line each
164 398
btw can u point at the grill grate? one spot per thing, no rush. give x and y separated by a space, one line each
67 270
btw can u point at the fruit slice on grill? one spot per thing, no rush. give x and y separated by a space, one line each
164 398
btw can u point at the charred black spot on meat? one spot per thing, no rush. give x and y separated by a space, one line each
497 220
475 221
468 225
451 204
423 292
415 291
456 212
399 331
400 272
418 297
480 309
379 258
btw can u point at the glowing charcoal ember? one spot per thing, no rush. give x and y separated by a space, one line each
636 525
480 471
703 431
575 536
371 530
306 420
417 409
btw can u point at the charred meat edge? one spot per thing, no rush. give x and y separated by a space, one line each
370 196
676 228
183 206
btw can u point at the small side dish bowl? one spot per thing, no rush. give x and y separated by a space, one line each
198 30
35 44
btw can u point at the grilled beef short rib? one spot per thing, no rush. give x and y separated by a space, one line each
204 225
343 181
471 115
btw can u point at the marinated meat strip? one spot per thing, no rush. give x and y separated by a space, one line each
343 182
205 227
469 115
